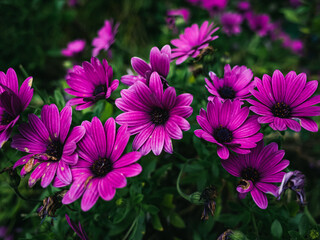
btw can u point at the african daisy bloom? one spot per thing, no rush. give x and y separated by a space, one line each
258 170
159 62
106 37
50 145
73 48
286 101
155 115
78 229
192 41
228 126
90 83
101 167
13 101
231 23
235 84
259 23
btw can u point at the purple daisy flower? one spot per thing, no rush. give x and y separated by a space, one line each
13 101
101 168
49 144
90 83
214 5
106 37
258 170
159 62
236 83
155 115
192 41
283 100
259 23
228 126
243 7
77 229
231 23
73 48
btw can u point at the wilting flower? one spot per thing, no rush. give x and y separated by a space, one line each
235 84
157 116
90 83
101 167
281 101
208 195
106 37
77 229
50 146
231 23
192 41
13 101
73 48
226 235
295 181
258 170
159 62
228 126
259 23
51 204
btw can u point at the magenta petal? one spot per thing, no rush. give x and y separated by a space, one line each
259 198
37 174
267 188
98 134
309 124
38 127
293 125
140 66
223 152
106 190
157 140
58 183
156 85
127 159
120 144
116 179
130 170
70 159
51 118
49 174
65 122
142 137
90 195
64 173
240 188
110 131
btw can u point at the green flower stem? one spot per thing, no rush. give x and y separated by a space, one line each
255 225
309 216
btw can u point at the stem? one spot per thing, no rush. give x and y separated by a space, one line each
179 156
24 198
255 225
24 72
182 194
131 228
309 216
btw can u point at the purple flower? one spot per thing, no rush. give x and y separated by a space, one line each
228 126
243 7
155 115
77 229
13 101
214 5
295 3
236 83
296 46
106 37
159 62
295 181
281 101
49 143
73 3
258 170
192 41
231 23
90 83
73 48
259 23
184 12
101 168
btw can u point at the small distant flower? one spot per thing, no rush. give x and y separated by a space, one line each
155 115
231 23
13 101
184 12
285 101
228 126
192 41
214 5
90 83
295 3
297 46
77 229
295 181
208 195
101 168
243 7
159 62
72 3
236 83
259 23
106 37
73 48
50 144
258 170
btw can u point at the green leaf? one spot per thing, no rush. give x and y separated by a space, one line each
303 225
59 99
150 208
156 223
276 229
294 235
177 221
291 15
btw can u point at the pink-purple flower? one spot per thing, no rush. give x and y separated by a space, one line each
155 115
106 37
214 5
258 171
50 145
77 229
13 101
192 41
235 84
90 83
284 102
259 23
184 12
243 7
102 167
228 126
73 48
231 23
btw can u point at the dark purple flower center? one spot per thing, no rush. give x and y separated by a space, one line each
281 110
6 118
54 150
159 116
227 92
99 89
101 167
222 135
250 174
